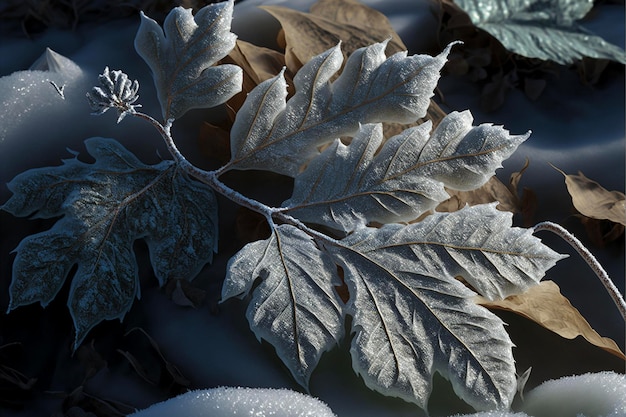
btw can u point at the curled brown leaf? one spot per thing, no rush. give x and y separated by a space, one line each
593 200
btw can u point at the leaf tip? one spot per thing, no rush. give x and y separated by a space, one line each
557 169
448 48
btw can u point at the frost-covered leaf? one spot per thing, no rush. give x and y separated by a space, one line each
348 186
411 317
106 206
295 307
181 55
544 29
355 24
272 134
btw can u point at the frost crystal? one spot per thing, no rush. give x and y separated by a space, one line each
115 91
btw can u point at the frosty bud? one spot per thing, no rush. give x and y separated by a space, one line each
115 91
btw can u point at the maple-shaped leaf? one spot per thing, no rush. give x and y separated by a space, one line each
295 307
106 206
270 133
181 56
412 317
348 186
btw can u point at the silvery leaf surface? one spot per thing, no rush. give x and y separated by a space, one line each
273 134
106 206
349 186
541 29
295 306
412 317
181 56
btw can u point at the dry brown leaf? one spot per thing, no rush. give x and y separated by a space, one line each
330 21
602 232
595 201
258 64
545 305
515 177
492 191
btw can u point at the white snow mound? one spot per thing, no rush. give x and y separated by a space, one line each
228 402
601 394
494 414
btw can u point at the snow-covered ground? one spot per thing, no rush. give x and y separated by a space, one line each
590 395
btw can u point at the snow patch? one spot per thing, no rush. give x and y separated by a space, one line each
227 402
601 394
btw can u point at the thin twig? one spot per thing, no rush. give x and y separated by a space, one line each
211 178
590 259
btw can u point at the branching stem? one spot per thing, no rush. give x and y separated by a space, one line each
211 178
590 259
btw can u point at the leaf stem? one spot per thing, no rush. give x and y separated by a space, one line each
590 259
211 178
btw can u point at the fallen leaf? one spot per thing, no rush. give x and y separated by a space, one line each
545 305
595 201
527 203
258 64
330 21
516 177
602 232
492 191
